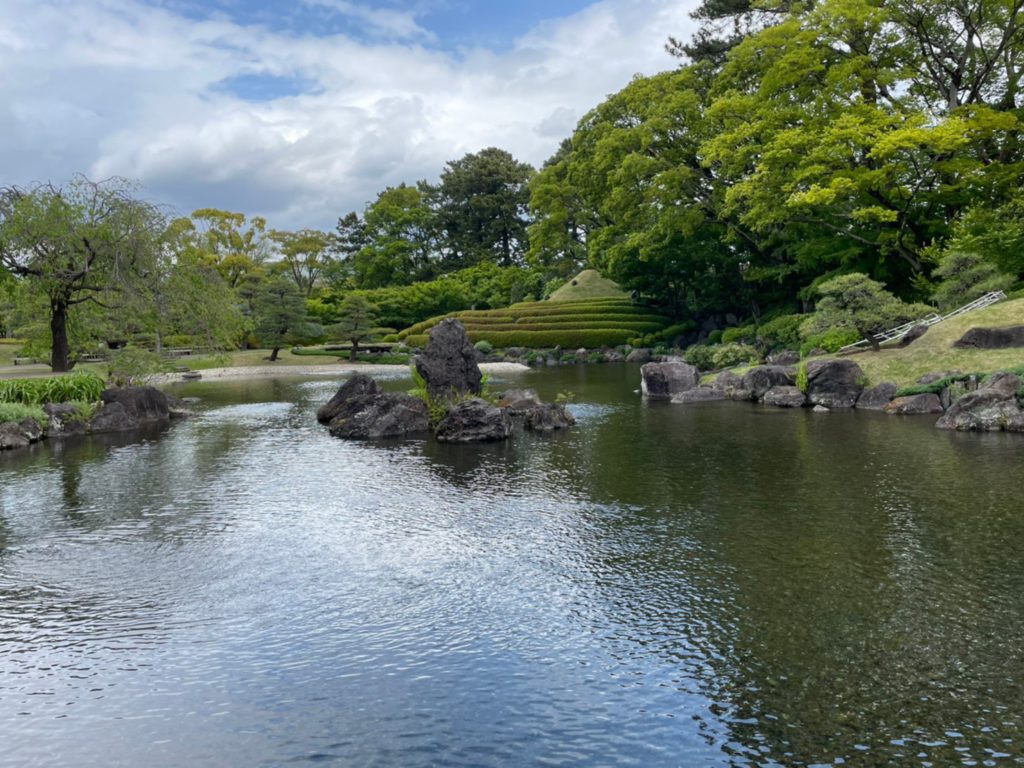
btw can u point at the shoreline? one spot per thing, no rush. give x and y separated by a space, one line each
338 369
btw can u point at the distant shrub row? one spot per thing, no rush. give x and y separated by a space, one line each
567 339
85 387
541 326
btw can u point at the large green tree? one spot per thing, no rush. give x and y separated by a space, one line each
305 256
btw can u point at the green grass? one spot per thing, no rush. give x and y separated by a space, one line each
589 285
82 386
935 352
19 412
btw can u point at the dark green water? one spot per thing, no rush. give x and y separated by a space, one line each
714 585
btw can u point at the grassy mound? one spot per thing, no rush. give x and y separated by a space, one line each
588 284
590 323
935 352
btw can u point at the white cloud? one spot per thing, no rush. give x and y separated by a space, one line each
116 87
387 22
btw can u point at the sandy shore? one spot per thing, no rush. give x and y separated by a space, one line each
333 370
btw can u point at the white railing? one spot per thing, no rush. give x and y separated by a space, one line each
894 334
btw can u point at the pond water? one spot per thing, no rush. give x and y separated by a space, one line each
712 585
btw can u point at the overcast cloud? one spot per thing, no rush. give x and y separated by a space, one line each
298 127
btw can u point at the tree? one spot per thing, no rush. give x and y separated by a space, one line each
235 244
858 302
280 315
356 322
398 240
481 206
305 256
965 276
87 243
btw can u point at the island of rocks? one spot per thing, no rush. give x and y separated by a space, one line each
450 403
966 403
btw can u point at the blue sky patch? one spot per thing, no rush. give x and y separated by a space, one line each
265 87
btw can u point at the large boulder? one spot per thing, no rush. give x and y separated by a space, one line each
474 421
65 420
143 404
991 408
834 383
877 397
992 338
785 396
761 378
662 381
519 402
13 436
914 334
359 384
912 405
639 356
448 364
699 395
547 417
378 415
784 357
113 417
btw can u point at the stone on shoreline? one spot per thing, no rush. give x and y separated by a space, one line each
761 378
378 415
474 421
358 384
991 408
547 417
914 404
663 381
699 395
449 364
877 397
834 383
785 396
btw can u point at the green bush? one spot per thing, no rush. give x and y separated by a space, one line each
20 412
672 332
55 389
715 337
802 381
831 340
483 346
782 331
573 339
132 365
747 333
700 355
708 358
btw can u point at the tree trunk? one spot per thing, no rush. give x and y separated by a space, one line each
354 352
60 353
273 354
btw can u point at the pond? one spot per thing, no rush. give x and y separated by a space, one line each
710 585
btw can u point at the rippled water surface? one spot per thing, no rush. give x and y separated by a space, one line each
714 585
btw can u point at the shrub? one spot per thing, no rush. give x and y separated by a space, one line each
715 337
132 365
831 340
20 412
966 276
728 355
55 389
802 381
700 355
672 332
483 346
782 331
745 334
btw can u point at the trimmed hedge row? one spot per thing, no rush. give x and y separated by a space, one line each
597 326
574 339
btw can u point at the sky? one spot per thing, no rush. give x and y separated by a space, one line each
302 111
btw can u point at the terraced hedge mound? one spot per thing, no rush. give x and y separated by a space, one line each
572 324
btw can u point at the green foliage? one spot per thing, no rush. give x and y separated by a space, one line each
715 337
133 365
831 340
747 333
484 347
19 412
965 276
54 389
709 358
541 339
936 387
802 382
782 331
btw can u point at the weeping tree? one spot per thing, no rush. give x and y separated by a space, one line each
86 243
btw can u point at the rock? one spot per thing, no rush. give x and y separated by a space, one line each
582 355
113 417
547 417
551 361
784 357
819 409
31 429
834 383
665 380
931 378
12 436
877 397
699 395
913 335
381 414
516 352
358 384
448 364
785 396
519 402
143 404
65 420
761 378
615 357
992 338
991 408
914 404
639 356
727 380
474 421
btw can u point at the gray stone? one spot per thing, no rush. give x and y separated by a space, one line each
727 381
785 396
912 405
143 404
834 383
877 397
639 356
1008 337
113 417
761 378
448 364
65 420
582 355
913 335
547 417
615 357
784 357
12 436
991 408
662 381
474 421
699 395
379 415
359 384
519 402
819 409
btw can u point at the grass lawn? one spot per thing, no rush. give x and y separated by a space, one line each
589 285
935 352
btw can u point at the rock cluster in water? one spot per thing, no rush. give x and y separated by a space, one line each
361 410
966 403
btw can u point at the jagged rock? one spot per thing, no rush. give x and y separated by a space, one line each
13 436
784 357
992 338
699 395
358 384
582 355
113 417
914 404
785 396
448 364
931 378
761 378
662 381
877 397
639 356
820 409
727 380
519 402
474 421
615 357
142 404
547 417
834 383
378 415
991 408
913 335
65 420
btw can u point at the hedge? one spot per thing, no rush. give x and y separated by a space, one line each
540 326
574 339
